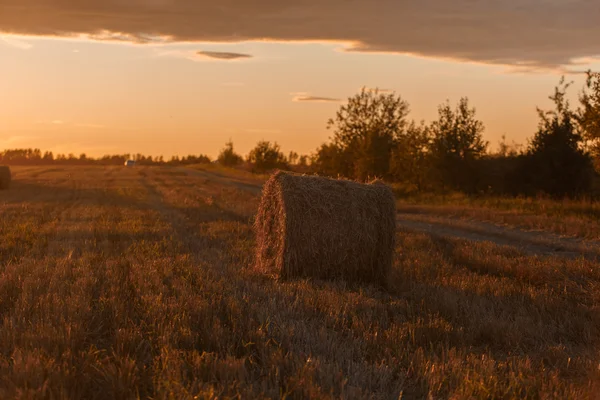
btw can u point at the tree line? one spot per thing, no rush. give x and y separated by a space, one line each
373 137
36 157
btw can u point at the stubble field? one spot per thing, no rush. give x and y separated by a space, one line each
138 283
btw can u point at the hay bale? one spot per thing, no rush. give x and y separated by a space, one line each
5 177
310 226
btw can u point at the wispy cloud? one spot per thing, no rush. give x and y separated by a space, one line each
74 124
376 89
223 55
15 42
204 56
307 98
91 126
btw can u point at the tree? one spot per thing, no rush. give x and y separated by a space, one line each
589 114
410 157
505 149
456 146
556 162
266 156
331 160
292 158
365 132
48 156
228 157
303 161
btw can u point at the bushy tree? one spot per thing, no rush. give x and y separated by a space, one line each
331 160
410 161
556 162
589 114
457 144
365 130
228 157
266 156
293 158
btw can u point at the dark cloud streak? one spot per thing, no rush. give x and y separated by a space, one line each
534 33
315 99
222 55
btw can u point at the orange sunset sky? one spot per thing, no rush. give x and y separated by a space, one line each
183 76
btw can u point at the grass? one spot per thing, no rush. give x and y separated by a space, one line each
137 283
576 218
232 172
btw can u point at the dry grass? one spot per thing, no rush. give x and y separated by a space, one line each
576 218
309 226
125 283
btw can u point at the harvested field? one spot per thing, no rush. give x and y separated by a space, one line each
126 283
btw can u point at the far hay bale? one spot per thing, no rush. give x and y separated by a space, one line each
5 177
310 226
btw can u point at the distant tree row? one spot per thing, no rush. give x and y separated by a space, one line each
36 157
265 156
374 137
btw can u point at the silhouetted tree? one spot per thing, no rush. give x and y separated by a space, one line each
228 157
556 162
365 132
292 158
410 161
589 114
456 146
48 157
332 160
266 156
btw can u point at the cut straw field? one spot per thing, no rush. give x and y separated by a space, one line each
139 283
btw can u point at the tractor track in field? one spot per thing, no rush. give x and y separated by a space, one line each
539 243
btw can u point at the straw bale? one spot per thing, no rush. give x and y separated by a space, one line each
310 226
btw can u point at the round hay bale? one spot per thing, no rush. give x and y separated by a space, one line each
5 177
310 226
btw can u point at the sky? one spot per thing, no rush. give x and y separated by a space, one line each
166 77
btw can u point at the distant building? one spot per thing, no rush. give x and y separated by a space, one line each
129 163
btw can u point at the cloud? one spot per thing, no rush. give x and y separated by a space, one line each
201 55
75 124
223 55
541 33
376 89
90 126
14 42
306 98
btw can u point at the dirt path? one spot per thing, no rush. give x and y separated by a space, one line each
530 242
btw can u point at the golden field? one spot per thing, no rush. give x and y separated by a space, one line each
139 283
